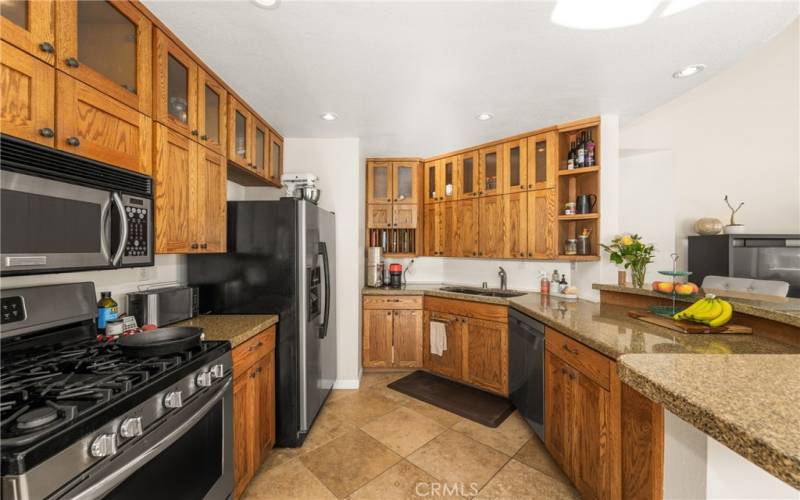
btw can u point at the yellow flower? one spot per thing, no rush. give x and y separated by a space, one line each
627 240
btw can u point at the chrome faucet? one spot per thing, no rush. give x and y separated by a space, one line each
503 279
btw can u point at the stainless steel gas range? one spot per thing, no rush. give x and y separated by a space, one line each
80 419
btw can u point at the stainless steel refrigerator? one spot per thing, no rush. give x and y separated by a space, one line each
280 260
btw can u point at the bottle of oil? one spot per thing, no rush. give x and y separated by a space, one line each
107 310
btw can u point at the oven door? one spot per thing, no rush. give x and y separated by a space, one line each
51 226
189 456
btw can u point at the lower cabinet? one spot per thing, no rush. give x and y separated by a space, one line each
253 406
449 364
487 354
392 332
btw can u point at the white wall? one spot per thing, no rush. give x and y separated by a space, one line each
736 134
338 165
167 269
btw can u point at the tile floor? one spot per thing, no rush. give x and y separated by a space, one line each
378 444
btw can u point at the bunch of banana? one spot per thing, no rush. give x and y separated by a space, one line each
710 310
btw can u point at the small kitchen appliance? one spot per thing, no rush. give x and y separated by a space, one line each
163 306
81 418
395 275
374 267
301 186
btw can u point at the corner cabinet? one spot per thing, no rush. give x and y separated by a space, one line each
253 406
394 208
392 331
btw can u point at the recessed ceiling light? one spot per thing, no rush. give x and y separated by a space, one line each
329 117
597 15
690 70
484 116
267 4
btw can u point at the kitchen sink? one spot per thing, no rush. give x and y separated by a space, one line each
486 292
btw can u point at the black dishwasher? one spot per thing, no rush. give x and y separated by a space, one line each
526 368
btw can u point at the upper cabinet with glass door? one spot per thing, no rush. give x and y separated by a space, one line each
211 112
432 180
405 182
542 160
515 166
379 182
106 45
262 149
449 178
275 158
28 25
240 136
491 170
467 182
175 87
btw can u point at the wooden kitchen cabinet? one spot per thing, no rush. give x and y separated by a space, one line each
432 180
405 216
515 225
176 87
275 159
542 161
466 228
405 186
212 101
515 166
448 169
27 92
449 364
379 216
92 124
392 335
209 218
468 176
451 228
491 170
240 133
261 148
487 354
433 230
379 182
542 224
558 404
253 406
490 227
30 26
108 46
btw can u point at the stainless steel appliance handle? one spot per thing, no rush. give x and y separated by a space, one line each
123 229
104 230
104 485
323 329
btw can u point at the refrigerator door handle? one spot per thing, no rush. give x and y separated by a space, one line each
323 329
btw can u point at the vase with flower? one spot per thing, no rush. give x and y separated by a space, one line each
629 251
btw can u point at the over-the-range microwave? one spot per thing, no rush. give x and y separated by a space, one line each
61 212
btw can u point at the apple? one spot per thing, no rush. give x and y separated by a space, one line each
655 285
685 288
664 287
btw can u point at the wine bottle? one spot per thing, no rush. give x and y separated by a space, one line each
571 156
590 151
581 156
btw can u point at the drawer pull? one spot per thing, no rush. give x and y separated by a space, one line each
442 320
571 351
392 300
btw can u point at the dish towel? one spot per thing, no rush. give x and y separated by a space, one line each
438 337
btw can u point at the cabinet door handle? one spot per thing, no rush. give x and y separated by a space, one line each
388 199
47 47
72 62
253 374
73 141
204 246
530 186
204 137
194 246
194 132
258 370
388 313
46 132
571 351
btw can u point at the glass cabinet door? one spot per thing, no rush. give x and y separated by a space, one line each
467 176
491 171
516 166
261 139
275 159
240 135
28 24
405 182
542 161
449 174
211 98
431 181
176 88
108 46
379 182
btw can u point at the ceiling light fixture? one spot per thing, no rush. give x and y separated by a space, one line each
602 14
688 71
267 4
484 116
329 117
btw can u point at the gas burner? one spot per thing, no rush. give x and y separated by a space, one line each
37 417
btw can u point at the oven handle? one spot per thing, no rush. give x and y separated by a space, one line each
116 477
123 239
104 230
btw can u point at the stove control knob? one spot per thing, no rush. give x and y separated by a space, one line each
104 445
173 399
131 427
204 379
217 371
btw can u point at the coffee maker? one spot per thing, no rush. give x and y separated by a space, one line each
374 267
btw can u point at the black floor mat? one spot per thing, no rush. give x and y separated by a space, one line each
468 402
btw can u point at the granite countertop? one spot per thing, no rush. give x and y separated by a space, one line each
782 309
725 397
235 328
605 327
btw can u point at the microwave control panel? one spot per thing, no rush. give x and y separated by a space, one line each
137 231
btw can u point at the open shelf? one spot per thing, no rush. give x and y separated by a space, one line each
579 258
579 217
580 170
394 242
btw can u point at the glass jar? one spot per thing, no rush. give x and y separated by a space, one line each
584 245
571 247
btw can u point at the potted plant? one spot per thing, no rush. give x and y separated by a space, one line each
629 251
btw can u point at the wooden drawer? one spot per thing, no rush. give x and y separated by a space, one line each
468 309
584 359
393 302
247 353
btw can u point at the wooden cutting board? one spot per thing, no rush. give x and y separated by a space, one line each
687 326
